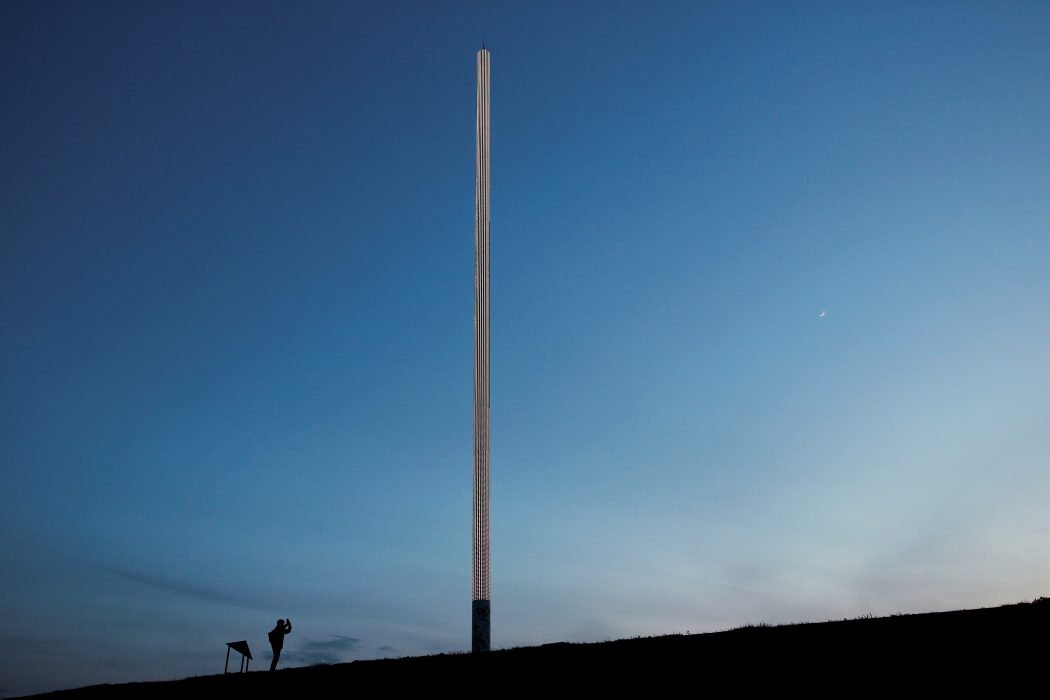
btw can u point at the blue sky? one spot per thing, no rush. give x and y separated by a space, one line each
236 301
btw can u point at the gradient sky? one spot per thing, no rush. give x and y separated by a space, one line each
236 307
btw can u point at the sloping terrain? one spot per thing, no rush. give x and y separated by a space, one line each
1001 650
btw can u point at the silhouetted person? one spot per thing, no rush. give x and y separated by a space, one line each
277 639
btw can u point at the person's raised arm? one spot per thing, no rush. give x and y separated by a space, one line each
287 625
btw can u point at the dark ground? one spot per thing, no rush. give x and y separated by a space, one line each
1002 651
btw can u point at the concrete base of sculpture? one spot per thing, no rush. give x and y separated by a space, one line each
480 641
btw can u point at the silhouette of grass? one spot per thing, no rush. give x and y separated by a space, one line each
997 651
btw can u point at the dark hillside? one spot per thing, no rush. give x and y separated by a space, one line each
1001 650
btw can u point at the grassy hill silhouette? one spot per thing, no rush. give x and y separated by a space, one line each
1001 650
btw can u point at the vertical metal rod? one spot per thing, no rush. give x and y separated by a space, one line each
227 668
480 609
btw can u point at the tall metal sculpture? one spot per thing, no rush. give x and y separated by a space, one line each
480 613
